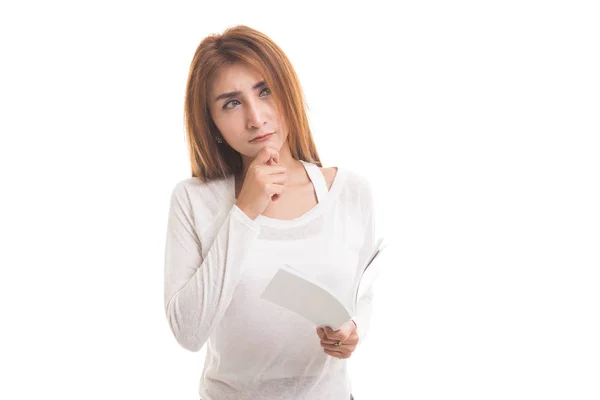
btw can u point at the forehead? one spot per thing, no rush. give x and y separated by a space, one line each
235 77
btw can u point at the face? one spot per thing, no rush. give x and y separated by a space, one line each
244 111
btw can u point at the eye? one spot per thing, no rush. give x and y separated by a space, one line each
267 90
226 105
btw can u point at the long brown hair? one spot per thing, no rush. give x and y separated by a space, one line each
241 44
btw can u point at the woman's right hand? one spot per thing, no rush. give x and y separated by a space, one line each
263 183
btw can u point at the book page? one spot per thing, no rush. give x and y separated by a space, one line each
370 271
298 293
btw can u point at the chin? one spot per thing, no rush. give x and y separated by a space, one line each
274 143
253 149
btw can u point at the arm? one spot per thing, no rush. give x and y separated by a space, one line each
362 319
198 290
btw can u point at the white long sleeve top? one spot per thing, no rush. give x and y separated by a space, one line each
217 263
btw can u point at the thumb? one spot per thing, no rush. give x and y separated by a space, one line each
320 333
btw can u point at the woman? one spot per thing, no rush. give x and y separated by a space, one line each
259 198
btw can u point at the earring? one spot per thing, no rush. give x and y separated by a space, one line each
219 140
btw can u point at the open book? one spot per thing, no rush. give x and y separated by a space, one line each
298 292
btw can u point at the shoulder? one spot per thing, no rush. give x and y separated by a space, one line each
191 185
354 186
200 197
329 173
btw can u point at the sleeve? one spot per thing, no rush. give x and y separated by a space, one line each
362 319
197 290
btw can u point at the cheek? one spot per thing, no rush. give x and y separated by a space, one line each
228 125
284 130
281 125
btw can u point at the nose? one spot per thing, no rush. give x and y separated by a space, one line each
255 115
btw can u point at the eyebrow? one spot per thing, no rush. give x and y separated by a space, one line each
233 94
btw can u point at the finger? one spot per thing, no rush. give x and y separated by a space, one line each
344 331
274 160
344 348
273 170
320 333
275 156
274 188
335 335
329 342
279 178
264 155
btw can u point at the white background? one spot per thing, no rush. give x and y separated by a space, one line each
476 121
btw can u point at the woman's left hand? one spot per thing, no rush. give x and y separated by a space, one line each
340 343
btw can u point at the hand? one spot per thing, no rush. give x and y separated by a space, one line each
263 183
346 336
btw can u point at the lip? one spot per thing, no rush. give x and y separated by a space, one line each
261 138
